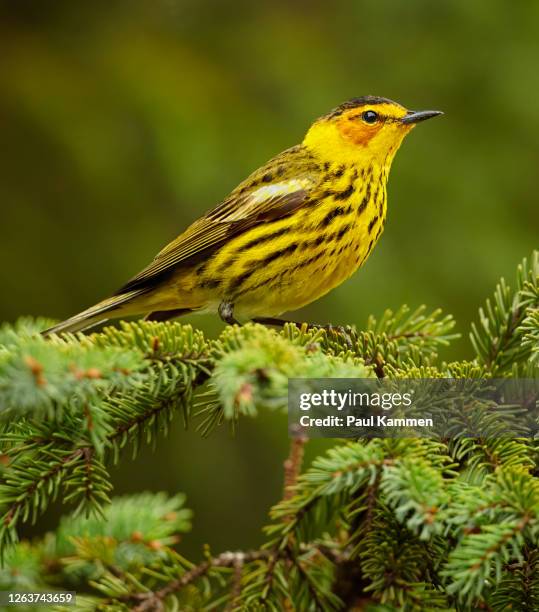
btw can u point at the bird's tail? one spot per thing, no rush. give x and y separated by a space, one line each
94 315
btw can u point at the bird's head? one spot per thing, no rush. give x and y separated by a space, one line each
367 128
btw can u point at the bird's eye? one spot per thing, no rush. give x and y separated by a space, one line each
370 117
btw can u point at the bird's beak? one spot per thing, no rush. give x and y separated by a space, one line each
417 116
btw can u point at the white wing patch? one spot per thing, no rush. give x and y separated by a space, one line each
267 192
270 191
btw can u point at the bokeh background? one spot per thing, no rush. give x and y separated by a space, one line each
121 122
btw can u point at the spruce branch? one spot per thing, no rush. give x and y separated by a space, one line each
140 376
150 601
398 339
519 586
392 524
494 521
41 379
500 338
253 365
293 463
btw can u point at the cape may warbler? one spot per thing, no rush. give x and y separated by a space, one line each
294 229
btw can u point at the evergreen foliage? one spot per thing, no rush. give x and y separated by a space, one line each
383 524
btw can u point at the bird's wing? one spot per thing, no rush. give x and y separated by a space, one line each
254 201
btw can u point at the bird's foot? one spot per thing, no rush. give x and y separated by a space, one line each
345 331
226 312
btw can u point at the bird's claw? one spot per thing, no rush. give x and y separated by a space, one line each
341 330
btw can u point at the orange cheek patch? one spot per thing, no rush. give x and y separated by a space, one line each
356 131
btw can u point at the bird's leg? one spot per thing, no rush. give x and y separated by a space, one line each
226 312
274 321
339 329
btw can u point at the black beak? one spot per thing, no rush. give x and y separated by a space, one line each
417 116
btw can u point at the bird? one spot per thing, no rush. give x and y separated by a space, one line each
292 231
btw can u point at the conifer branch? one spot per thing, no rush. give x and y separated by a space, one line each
403 523
154 600
501 338
293 463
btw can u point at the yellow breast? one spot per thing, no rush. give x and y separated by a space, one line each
321 247
285 264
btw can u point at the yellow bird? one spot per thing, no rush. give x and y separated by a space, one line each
293 230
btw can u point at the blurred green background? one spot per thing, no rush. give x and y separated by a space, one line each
122 122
